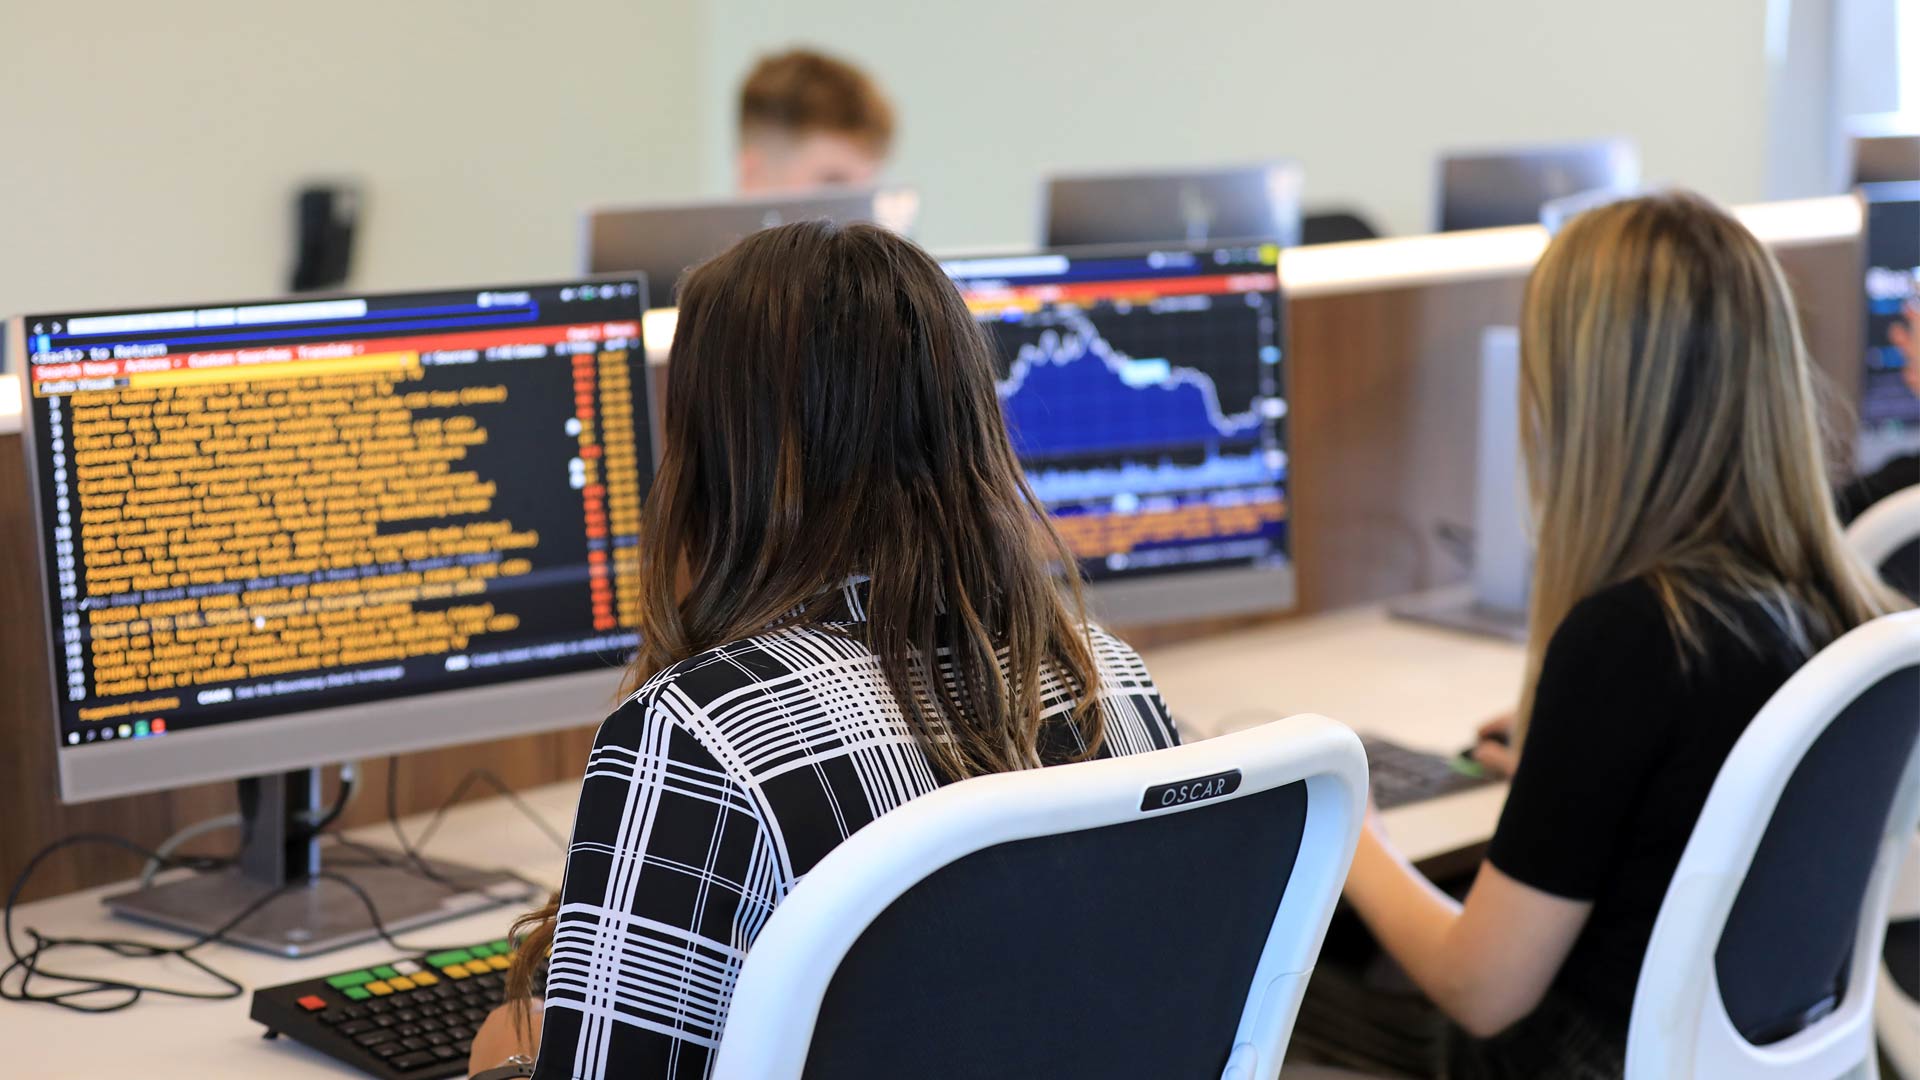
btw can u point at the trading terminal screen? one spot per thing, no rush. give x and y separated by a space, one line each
258 509
1145 393
1892 238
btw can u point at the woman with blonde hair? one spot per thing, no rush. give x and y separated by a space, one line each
1688 561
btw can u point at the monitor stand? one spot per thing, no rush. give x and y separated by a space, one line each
313 911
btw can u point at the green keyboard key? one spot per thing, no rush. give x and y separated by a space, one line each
357 993
351 978
503 948
442 959
481 951
385 971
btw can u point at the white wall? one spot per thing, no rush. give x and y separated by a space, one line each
149 150
995 92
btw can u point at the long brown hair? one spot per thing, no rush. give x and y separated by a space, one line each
831 412
1671 432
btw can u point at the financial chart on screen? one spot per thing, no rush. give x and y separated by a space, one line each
256 509
1145 393
1892 240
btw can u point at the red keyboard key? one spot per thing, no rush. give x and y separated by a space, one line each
311 1003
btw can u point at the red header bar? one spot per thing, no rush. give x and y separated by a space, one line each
979 295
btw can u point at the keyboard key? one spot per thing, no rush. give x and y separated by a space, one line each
407 967
414 1042
445 1053
430 1023
401 982
418 1059
498 962
437 1038
379 989
406 1031
387 1050
481 951
385 971
374 1037
454 971
312 1003
352 1012
351 978
476 1016
503 946
356 993
384 1020
464 1047
376 1006
451 956
461 1033
356 1027
425 978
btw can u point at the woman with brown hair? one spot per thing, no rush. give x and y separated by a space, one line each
1688 561
849 600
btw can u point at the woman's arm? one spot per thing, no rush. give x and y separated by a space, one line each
501 1038
1486 963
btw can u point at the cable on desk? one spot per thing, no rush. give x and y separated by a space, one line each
76 996
410 849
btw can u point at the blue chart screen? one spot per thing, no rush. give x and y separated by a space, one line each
1892 238
1145 394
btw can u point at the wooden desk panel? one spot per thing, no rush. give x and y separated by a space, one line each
1383 429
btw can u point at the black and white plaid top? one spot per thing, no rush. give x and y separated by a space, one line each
709 794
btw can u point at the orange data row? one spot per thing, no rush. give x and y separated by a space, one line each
1093 536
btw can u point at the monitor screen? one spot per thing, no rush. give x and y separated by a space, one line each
1889 411
257 510
1146 395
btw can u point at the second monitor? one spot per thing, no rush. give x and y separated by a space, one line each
1145 391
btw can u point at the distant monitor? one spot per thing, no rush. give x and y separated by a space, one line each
663 240
282 534
1176 206
1886 158
1486 190
1889 411
1145 389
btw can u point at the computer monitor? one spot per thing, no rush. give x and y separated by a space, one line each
1886 158
1489 189
1145 390
281 534
1889 411
1174 206
664 240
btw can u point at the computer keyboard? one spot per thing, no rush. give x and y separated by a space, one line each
412 1019
1401 775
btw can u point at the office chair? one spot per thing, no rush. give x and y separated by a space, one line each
1887 532
1335 227
1749 973
1149 915
1887 535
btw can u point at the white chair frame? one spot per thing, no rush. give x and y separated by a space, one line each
777 1001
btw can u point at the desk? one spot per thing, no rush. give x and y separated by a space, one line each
1418 685
1423 687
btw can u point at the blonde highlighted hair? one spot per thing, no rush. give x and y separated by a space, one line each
1671 431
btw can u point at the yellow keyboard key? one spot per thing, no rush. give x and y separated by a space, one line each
401 983
425 978
379 988
499 963
455 971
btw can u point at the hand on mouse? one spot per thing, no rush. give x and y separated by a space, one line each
1494 750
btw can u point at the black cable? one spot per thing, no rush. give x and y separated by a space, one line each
410 849
339 805
29 964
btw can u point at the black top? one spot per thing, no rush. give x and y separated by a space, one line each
1623 746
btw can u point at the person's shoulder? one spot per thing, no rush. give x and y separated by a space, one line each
1626 610
684 692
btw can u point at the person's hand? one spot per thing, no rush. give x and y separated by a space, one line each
1494 749
498 1039
1905 336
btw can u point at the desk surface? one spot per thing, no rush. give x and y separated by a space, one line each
1423 687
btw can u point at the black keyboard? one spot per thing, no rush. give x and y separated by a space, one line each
412 1019
1401 775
